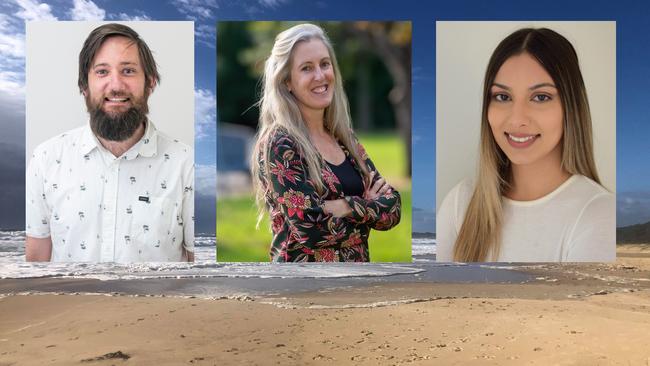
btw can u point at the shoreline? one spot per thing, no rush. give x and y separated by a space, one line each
562 313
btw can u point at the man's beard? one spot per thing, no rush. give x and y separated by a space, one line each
117 126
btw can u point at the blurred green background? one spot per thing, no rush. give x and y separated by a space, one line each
374 60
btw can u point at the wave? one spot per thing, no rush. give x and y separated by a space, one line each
13 265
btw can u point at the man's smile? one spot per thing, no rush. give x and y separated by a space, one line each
116 101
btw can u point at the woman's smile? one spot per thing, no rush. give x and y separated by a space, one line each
521 140
320 89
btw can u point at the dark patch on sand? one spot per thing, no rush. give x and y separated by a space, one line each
119 355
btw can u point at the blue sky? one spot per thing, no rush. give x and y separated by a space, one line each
633 78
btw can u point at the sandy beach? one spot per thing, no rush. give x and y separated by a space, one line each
597 314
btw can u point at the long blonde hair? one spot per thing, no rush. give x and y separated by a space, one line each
279 112
480 235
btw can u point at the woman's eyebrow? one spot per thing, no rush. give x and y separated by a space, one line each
536 86
541 85
326 58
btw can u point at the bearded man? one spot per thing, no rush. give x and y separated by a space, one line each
117 189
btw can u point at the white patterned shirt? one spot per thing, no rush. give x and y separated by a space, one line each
138 207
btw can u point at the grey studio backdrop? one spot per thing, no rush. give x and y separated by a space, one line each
463 50
54 104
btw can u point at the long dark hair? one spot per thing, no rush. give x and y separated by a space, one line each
479 236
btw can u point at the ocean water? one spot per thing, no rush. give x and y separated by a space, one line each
207 279
13 265
423 247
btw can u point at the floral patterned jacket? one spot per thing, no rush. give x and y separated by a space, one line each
302 231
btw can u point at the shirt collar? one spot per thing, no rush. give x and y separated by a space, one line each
88 141
147 146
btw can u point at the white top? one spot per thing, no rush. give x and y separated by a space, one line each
99 208
574 223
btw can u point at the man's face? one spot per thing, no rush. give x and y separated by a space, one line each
117 93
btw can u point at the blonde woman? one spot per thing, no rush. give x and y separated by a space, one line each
537 196
322 192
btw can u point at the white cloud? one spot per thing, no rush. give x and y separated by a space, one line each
33 10
205 179
86 10
205 113
196 9
12 45
271 3
206 34
4 22
12 84
141 16
259 6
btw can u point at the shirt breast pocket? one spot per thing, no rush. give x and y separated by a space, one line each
154 223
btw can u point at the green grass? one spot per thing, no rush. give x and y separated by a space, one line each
239 241
387 152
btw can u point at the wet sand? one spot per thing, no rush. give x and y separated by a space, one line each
597 314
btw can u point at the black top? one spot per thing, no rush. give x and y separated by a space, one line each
349 178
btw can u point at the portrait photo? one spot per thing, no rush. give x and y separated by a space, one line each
314 141
525 141
109 141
